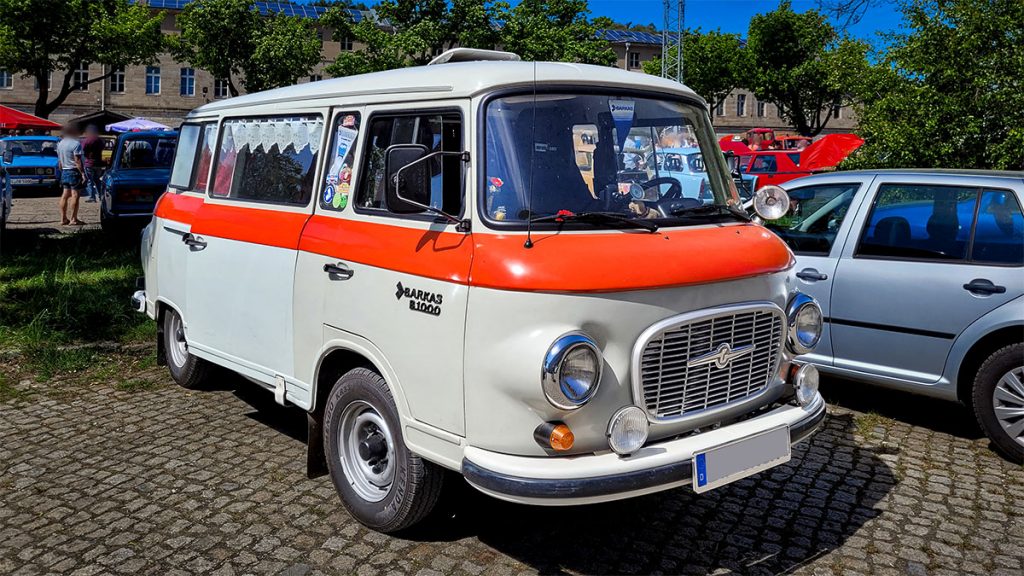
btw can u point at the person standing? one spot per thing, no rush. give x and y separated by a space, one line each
72 174
92 161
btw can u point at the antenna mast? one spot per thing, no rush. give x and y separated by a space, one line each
672 40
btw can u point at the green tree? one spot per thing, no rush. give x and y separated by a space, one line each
606 23
40 37
948 93
802 65
230 39
553 30
715 64
416 31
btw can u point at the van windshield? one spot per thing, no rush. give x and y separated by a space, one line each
586 153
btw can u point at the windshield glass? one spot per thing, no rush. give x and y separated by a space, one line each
147 152
31 147
638 157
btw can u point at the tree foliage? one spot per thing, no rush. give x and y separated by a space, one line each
553 30
230 39
715 64
949 92
801 64
39 37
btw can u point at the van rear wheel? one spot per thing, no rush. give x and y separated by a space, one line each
999 400
187 370
381 483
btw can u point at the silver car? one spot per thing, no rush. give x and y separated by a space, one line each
920 276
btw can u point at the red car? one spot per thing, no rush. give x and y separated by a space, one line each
778 166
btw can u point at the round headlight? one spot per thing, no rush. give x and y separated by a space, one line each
571 371
805 323
806 384
40 170
771 202
627 430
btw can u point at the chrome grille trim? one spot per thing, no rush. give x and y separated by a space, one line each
670 390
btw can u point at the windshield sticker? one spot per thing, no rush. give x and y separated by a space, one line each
622 116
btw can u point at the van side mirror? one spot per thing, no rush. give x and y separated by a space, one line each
408 181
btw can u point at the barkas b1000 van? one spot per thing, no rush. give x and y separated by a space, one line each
415 258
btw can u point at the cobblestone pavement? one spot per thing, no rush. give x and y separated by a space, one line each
162 480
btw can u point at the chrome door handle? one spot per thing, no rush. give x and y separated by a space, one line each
984 286
338 271
194 242
811 275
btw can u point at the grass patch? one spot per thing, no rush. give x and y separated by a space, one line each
62 289
136 385
8 393
866 423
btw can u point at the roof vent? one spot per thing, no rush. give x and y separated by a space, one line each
473 55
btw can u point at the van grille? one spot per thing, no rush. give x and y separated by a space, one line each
706 362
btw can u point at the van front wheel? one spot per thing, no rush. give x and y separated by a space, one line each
381 483
187 370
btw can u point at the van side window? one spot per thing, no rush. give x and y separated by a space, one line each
438 132
207 144
184 159
268 159
341 158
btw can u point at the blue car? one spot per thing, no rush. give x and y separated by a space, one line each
29 162
686 165
139 171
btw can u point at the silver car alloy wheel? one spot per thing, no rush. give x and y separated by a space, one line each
1008 403
178 346
367 451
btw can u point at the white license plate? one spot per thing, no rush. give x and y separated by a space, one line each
740 458
17 181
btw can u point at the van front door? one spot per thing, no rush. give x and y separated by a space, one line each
244 243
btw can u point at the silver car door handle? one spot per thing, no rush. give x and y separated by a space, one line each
984 286
338 271
811 275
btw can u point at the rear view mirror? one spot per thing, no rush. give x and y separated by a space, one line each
407 190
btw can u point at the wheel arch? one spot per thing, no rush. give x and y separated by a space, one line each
979 352
162 306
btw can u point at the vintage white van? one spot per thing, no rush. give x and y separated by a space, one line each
415 258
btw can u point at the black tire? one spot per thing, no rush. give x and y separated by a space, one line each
188 371
416 485
999 363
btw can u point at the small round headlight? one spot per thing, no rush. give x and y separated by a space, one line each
627 430
806 384
571 371
771 202
805 323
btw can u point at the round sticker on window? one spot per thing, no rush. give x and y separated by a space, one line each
329 195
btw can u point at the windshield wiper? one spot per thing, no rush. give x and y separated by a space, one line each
566 216
712 209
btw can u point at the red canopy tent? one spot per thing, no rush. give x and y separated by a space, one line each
11 119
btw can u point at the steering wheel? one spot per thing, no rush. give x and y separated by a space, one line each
675 189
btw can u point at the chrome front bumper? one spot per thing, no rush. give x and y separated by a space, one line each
586 479
139 301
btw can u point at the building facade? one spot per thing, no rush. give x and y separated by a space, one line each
166 90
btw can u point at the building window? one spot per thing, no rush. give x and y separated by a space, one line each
741 104
346 44
837 112
633 60
188 82
152 79
316 78
760 109
6 80
720 109
81 76
220 88
117 80
49 82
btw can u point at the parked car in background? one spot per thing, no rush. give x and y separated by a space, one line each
138 175
686 166
29 162
6 203
920 276
774 167
794 142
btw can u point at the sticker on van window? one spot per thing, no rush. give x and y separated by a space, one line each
339 175
340 200
622 117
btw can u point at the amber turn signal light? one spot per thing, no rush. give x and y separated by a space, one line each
554 436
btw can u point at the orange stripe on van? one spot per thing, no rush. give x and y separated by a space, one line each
178 207
626 261
438 255
247 224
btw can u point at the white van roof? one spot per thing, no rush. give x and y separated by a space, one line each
454 80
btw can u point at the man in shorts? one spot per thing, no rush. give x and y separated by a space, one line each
72 174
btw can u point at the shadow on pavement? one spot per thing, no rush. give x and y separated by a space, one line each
942 416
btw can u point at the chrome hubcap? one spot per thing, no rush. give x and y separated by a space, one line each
367 451
1008 402
177 345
